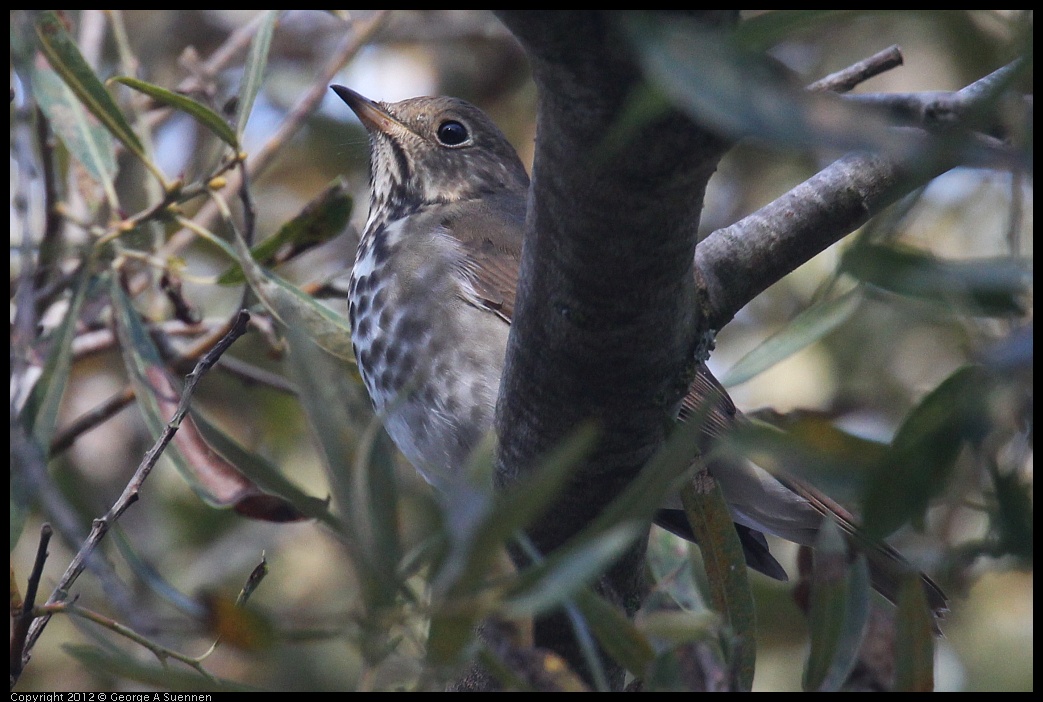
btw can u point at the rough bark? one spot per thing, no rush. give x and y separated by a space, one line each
614 299
606 320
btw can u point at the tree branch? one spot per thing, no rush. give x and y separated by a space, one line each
738 262
605 321
129 496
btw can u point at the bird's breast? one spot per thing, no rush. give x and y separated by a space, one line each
430 362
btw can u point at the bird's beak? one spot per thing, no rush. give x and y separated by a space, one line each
372 115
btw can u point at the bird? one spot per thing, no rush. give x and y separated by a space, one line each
430 301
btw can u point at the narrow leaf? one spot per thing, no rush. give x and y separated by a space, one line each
984 286
707 75
124 666
548 585
671 569
761 32
806 328
725 565
292 307
924 452
151 578
914 640
839 611
253 70
41 407
643 497
216 480
337 407
374 512
1012 517
324 217
480 535
358 462
620 638
65 58
690 657
267 476
196 110
87 142
810 446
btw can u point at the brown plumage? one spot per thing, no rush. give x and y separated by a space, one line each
448 199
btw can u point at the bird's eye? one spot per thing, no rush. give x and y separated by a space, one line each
452 133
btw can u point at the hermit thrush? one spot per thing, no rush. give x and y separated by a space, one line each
431 297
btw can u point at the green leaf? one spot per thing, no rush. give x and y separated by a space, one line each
267 476
809 326
323 218
924 452
335 402
375 511
766 29
839 611
41 407
121 665
480 528
914 639
358 462
810 446
196 110
87 142
998 287
691 657
645 493
725 565
68 62
739 93
549 584
152 578
292 307
669 562
1012 516
215 479
452 632
616 634
253 70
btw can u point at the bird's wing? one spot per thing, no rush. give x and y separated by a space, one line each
489 232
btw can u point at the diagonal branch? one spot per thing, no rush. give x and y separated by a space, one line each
739 262
129 496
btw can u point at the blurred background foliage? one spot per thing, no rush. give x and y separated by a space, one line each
334 614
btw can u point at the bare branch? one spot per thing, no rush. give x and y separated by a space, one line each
738 262
939 109
846 79
130 493
22 612
92 418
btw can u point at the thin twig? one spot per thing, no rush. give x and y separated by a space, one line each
92 418
102 339
307 105
29 457
942 108
129 496
236 43
24 616
160 652
254 375
844 80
